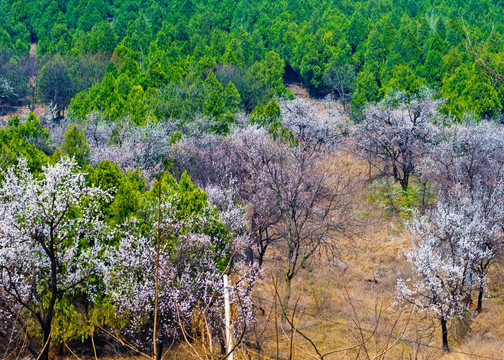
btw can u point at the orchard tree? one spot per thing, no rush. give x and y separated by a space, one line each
291 198
50 236
446 246
488 210
7 92
469 155
167 279
312 127
234 162
469 165
134 146
10 324
395 132
311 202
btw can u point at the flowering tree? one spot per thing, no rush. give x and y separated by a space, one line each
127 144
487 210
189 246
50 233
446 247
291 197
10 324
468 167
309 123
395 132
469 155
234 162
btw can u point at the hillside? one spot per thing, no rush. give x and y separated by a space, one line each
340 161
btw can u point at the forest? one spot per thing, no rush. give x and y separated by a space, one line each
340 162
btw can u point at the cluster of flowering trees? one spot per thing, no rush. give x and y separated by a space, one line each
294 200
458 234
395 134
162 272
157 256
43 257
452 248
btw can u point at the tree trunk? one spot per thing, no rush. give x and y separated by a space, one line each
46 321
404 184
44 355
288 288
222 342
480 298
160 349
444 330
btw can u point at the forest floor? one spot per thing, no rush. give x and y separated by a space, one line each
320 104
346 306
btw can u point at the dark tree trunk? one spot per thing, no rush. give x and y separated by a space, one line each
160 348
288 289
46 321
44 355
444 330
404 183
480 298
222 342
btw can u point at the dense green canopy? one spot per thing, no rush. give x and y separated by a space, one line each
176 59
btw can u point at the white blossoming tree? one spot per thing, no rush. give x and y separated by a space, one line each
167 280
50 233
467 166
446 247
395 132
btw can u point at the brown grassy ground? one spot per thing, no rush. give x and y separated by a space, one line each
346 305
350 307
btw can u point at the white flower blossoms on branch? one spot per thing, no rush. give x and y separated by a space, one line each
395 133
310 123
196 248
50 233
446 247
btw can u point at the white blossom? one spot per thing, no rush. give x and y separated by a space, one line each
50 236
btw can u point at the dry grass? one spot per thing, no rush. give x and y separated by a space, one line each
22 112
346 305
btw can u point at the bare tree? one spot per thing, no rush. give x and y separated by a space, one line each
340 80
312 202
236 162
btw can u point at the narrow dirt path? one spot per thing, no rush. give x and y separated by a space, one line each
33 51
